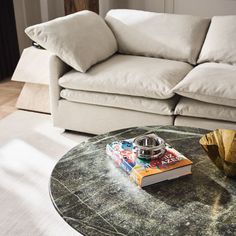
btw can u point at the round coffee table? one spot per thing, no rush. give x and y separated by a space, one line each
97 198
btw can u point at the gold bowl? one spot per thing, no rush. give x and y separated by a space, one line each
220 146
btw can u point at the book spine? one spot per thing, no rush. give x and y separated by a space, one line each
136 177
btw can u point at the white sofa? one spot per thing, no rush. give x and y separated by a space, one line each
163 69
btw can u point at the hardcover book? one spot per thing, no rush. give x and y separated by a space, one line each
146 172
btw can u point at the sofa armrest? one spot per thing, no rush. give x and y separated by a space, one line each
57 68
33 66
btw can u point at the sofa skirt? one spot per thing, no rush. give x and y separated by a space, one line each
204 123
95 119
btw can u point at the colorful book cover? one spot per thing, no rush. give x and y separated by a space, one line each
124 155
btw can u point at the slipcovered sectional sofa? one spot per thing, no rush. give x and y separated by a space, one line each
140 68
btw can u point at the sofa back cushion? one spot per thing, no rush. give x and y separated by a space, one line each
220 43
170 36
80 40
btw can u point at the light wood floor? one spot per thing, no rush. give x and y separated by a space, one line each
9 92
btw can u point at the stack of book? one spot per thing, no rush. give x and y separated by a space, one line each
146 172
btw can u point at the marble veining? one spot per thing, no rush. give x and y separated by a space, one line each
97 198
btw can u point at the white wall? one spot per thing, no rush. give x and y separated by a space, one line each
205 7
148 5
194 7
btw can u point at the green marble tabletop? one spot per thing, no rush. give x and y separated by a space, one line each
97 198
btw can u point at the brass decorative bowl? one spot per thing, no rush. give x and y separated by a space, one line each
220 146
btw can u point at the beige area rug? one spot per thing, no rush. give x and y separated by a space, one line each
29 148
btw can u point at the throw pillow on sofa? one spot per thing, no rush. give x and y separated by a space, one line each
211 83
220 45
169 36
80 40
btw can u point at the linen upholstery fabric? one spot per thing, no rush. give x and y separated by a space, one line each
170 36
190 107
129 75
210 82
155 106
57 68
96 119
80 40
219 45
33 66
203 123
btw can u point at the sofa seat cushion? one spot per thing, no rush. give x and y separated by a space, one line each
129 75
194 108
150 105
219 45
210 82
162 35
